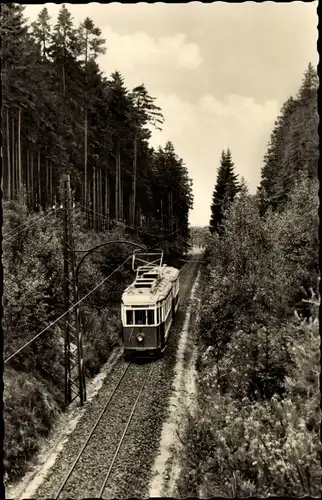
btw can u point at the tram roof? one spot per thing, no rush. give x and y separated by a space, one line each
148 291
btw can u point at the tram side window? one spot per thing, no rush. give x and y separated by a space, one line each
140 317
150 317
129 317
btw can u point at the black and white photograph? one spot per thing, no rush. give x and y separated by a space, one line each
160 250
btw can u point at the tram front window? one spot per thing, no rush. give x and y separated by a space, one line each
129 317
150 317
140 317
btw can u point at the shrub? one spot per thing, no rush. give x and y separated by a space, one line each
258 268
256 427
101 334
29 412
244 448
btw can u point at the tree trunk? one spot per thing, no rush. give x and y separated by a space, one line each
169 210
8 155
32 192
51 185
28 179
14 175
94 197
47 182
105 197
100 196
85 157
17 173
120 182
122 200
116 188
133 221
38 181
98 203
86 204
172 224
107 201
130 209
64 76
19 157
161 215
101 190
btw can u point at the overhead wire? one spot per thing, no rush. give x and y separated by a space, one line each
66 312
158 235
40 218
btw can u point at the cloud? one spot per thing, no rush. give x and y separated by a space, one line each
139 50
200 131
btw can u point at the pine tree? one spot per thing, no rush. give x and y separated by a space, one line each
293 148
273 159
17 89
227 187
50 77
144 112
90 46
302 141
120 113
42 31
243 188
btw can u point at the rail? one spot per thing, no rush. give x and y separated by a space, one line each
98 420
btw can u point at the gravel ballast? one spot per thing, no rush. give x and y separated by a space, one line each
131 471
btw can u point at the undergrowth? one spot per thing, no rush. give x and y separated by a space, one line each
30 411
255 430
33 298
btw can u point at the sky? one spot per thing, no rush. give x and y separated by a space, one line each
220 72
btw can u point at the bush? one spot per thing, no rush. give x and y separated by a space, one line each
255 431
253 364
101 335
260 268
29 412
237 447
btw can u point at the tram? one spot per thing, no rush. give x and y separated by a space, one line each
149 306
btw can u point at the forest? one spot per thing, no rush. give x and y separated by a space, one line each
61 114
254 430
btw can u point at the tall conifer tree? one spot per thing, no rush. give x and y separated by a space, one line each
293 147
226 188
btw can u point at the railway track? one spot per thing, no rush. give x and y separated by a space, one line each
108 460
94 463
82 471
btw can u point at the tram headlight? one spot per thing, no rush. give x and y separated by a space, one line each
140 337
